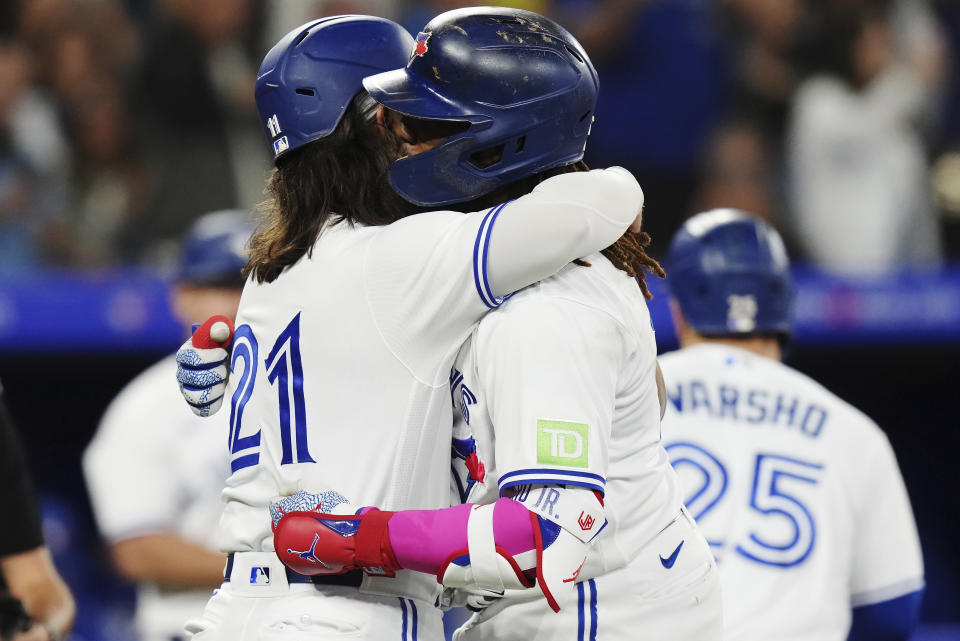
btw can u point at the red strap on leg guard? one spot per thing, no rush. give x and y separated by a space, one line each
373 550
538 541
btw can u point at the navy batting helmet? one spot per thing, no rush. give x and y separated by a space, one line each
523 84
215 249
308 79
730 274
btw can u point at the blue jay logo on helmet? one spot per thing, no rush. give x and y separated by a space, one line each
422 39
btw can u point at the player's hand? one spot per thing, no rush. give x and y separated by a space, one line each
324 534
473 600
202 365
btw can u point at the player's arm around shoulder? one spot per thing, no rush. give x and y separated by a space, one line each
564 218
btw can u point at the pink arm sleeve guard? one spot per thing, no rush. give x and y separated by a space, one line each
423 539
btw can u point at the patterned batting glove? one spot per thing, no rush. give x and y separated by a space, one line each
328 502
203 367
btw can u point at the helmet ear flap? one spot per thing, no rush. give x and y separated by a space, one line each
309 78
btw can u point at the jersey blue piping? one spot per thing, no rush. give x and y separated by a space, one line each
542 470
539 476
553 481
580 613
413 609
480 261
593 610
403 624
486 245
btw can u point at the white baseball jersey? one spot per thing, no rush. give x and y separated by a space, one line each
798 494
558 386
340 366
154 467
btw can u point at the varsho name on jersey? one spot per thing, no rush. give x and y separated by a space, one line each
748 405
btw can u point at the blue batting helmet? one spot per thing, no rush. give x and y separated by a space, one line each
523 84
215 249
730 274
308 79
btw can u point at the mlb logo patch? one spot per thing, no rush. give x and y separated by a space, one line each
280 145
260 576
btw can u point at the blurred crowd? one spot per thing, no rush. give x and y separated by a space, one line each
122 121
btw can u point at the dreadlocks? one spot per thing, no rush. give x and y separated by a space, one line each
629 254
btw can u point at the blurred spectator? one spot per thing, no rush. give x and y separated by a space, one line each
154 470
662 91
35 603
418 14
284 15
857 160
32 163
739 173
84 51
196 120
766 39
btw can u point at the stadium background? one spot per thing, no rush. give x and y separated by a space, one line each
123 120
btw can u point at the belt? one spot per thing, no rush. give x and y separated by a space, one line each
351 579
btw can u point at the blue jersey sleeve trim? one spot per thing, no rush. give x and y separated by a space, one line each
891 620
480 248
887 592
552 481
553 471
486 245
552 477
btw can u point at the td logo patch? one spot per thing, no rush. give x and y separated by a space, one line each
562 443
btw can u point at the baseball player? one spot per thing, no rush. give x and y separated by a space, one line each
154 470
348 326
558 428
797 492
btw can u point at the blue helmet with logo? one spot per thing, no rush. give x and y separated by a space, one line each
523 85
215 248
308 79
730 274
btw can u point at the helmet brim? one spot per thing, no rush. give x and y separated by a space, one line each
399 91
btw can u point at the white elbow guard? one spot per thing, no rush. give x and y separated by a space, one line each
484 565
563 521
568 519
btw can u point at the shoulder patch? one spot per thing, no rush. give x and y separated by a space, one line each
562 443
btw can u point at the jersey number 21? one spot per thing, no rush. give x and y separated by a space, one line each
284 369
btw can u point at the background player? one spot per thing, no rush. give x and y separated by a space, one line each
797 492
35 603
154 470
405 297
566 372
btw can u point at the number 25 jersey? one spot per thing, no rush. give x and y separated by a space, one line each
798 494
